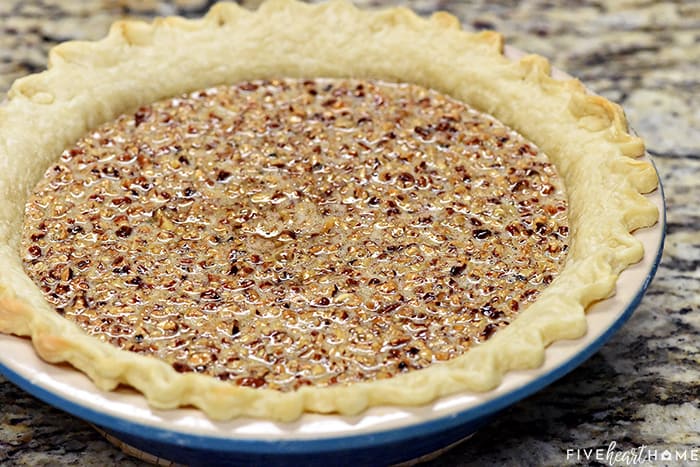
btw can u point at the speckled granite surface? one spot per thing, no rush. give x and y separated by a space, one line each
643 387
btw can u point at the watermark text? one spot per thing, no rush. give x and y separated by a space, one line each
633 456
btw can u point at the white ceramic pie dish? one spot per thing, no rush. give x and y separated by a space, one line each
381 435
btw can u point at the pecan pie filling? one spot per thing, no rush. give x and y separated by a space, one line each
292 232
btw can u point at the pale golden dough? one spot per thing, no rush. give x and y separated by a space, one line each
89 83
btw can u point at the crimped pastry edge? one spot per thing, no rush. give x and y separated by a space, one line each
89 83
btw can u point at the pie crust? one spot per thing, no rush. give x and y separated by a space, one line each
89 83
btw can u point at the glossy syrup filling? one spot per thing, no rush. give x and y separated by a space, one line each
284 233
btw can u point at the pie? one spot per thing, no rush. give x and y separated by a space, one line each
266 213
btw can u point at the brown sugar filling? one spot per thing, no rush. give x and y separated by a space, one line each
287 232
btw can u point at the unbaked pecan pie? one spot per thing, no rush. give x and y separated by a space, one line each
312 223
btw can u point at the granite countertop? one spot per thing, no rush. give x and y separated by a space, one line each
643 386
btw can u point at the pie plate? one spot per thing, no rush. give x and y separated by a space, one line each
379 436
